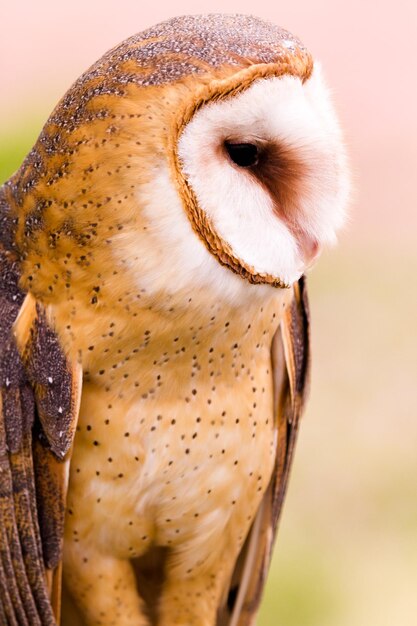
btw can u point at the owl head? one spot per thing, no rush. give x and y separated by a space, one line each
204 151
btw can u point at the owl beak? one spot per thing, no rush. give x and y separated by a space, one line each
309 248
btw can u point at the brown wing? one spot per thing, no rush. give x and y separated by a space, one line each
290 359
39 399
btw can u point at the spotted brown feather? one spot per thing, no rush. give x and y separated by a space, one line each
32 490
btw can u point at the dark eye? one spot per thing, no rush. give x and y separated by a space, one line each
243 154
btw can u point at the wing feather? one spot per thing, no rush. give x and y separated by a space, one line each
14 581
21 556
39 403
291 360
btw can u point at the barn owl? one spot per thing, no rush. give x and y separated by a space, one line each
154 325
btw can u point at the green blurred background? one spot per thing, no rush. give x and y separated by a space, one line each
347 549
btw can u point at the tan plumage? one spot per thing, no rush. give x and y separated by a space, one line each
193 360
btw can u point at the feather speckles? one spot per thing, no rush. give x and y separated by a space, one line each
193 44
180 456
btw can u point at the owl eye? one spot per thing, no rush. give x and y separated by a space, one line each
243 154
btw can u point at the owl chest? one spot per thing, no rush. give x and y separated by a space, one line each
193 449
207 458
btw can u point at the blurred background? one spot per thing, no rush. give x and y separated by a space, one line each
347 549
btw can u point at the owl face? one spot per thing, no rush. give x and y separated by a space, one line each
267 168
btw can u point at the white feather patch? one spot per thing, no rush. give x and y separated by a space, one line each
296 115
